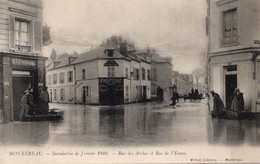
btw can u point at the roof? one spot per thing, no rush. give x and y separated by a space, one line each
97 53
157 58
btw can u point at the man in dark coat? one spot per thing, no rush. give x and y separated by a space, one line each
175 96
237 101
31 101
24 105
218 105
44 100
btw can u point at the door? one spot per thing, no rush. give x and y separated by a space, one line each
20 84
84 95
112 95
144 93
231 84
50 95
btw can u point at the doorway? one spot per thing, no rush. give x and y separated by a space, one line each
231 84
144 93
20 84
50 95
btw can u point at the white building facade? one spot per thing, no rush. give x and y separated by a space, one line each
233 26
100 76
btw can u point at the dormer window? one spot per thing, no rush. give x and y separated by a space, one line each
110 53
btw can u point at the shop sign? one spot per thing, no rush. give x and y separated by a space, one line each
230 58
23 62
111 81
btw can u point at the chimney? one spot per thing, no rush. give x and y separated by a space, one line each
148 51
123 48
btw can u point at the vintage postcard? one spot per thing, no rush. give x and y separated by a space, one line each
129 81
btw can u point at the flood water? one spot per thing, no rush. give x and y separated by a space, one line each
139 124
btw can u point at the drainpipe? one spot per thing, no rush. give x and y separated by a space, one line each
255 55
75 83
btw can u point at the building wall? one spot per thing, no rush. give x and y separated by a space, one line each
10 10
67 86
240 54
183 87
93 87
248 18
91 70
119 70
164 78
245 81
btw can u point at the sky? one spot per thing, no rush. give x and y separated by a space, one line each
173 27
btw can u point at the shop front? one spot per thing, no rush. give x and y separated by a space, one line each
111 91
20 73
234 71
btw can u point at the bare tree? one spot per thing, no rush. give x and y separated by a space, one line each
198 73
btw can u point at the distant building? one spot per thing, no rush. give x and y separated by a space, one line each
21 62
182 82
161 73
234 61
100 76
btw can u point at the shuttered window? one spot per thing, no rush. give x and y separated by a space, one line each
25 35
37 36
110 71
230 35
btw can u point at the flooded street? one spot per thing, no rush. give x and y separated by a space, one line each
132 125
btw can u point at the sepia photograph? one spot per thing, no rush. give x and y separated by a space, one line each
129 81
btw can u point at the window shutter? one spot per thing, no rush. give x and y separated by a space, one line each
11 28
31 35
37 36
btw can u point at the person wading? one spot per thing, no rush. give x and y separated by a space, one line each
44 100
237 101
218 105
24 105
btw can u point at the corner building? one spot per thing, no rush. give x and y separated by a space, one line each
21 63
234 61
103 76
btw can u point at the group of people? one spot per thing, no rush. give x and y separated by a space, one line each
34 104
237 103
193 95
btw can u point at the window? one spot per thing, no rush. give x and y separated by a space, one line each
61 77
136 74
127 91
154 74
86 91
230 27
110 71
143 73
49 79
258 80
21 35
62 94
54 78
110 53
126 72
55 94
83 73
148 74
69 76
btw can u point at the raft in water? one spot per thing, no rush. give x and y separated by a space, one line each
53 115
232 115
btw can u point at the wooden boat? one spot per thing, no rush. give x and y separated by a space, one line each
53 115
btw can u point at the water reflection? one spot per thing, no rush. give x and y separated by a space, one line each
233 132
132 125
27 133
